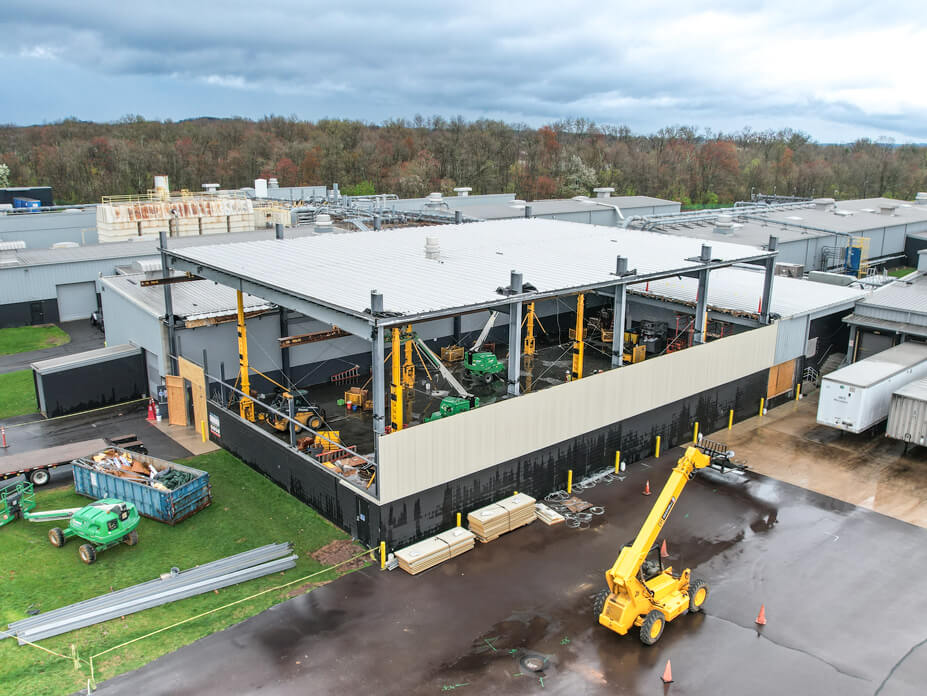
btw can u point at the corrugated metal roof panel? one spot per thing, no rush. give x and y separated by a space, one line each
69 362
907 295
740 290
475 260
197 299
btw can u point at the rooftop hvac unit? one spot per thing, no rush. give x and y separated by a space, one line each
790 270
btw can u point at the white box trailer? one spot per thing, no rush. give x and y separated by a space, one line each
858 396
907 416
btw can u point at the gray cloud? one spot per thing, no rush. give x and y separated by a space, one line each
780 63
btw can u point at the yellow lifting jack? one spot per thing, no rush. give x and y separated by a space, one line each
245 404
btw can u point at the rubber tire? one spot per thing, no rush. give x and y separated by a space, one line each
39 477
130 539
56 537
315 422
487 378
87 553
694 587
598 604
647 637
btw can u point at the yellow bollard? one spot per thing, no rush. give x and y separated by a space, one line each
382 555
617 461
798 392
203 430
458 519
730 420
762 401
695 433
657 453
570 481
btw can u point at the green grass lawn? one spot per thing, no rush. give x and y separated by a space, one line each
247 511
900 271
21 339
17 394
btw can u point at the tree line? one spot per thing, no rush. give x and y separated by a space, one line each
83 161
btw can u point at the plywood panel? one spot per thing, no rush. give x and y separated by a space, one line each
193 373
176 404
433 453
781 378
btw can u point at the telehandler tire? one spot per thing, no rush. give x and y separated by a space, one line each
653 626
87 553
698 593
598 604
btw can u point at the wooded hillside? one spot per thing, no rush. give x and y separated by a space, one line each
84 161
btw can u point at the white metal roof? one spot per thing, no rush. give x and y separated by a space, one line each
915 390
904 295
740 289
198 299
880 366
88 357
475 260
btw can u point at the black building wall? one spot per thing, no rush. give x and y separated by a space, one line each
538 473
94 386
29 313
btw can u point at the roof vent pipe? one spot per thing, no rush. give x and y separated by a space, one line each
724 224
773 243
706 253
528 211
621 266
463 191
603 192
458 217
516 282
887 209
376 302
323 223
432 248
376 222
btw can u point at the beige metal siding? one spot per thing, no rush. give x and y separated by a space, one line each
428 455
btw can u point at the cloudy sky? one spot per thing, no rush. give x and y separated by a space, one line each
836 70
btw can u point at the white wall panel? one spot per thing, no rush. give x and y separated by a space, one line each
428 455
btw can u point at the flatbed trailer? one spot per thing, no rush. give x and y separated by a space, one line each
36 464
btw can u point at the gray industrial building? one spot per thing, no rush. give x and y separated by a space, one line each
737 333
814 234
42 229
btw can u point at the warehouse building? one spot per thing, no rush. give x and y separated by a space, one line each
820 235
890 315
43 229
394 472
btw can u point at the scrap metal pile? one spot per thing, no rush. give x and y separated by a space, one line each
124 465
576 512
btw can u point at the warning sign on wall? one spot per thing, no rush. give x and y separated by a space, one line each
214 427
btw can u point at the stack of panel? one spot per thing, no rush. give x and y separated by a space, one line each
489 522
548 516
423 555
520 508
458 540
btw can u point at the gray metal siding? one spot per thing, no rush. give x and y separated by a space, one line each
907 420
41 230
791 339
25 284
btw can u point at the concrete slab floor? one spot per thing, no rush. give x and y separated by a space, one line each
871 471
188 437
837 581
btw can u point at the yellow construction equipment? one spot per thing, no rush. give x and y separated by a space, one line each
577 371
395 395
642 592
245 405
408 367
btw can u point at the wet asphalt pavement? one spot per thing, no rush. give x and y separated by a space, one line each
84 336
843 589
32 432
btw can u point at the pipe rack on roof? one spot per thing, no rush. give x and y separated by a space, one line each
650 221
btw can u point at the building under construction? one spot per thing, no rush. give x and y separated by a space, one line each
408 374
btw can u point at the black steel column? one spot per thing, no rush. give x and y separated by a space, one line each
171 362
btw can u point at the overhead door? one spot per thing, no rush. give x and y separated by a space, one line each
76 300
871 342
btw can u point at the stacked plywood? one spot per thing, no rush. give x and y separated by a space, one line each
490 522
458 540
437 549
548 516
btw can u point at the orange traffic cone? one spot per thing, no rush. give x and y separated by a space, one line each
761 617
667 674
151 411
647 488
663 552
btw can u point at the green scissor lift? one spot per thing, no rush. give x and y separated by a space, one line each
102 524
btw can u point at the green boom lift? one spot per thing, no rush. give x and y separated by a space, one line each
102 524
